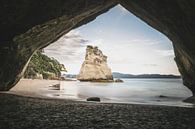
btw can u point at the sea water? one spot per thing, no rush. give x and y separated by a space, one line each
170 92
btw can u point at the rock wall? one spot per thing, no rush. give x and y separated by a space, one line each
94 67
27 25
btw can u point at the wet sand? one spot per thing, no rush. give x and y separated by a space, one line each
18 112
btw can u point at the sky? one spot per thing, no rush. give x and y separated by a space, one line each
130 44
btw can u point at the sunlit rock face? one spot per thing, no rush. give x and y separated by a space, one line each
94 67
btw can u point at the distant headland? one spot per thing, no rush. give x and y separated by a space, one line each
122 75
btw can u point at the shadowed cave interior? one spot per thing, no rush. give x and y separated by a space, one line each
28 26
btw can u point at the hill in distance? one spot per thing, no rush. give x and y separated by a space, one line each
122 75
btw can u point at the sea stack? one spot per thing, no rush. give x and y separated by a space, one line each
94 67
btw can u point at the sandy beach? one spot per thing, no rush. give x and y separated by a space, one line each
33 87
38 112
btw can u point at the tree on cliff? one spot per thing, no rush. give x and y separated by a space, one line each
40 64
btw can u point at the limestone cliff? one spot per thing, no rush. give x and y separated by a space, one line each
95 67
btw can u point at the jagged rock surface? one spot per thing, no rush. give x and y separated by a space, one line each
94 67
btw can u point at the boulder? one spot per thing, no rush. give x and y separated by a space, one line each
190 100
162 96
55 87
97 99
94 67
118 80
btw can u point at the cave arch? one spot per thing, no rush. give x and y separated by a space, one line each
29 25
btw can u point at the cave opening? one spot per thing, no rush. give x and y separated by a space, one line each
126 38
142 50
27 26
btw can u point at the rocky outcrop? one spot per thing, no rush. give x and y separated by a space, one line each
37 76
94 67
28 25
118 80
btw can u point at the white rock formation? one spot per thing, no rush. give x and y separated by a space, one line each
95 67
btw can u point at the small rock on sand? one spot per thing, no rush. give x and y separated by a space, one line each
97 99
162 96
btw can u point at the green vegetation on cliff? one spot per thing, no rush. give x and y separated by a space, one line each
43 66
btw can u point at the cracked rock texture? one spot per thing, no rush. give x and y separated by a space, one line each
94 67
27 25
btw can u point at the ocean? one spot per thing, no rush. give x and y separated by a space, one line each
169 92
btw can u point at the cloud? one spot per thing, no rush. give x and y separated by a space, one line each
151 65
130 48
73 33
165 53
142 41
67 48
97 42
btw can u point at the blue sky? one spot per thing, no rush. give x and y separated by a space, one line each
131 45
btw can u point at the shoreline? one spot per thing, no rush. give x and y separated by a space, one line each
26 95
22 112
50 89
83 101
